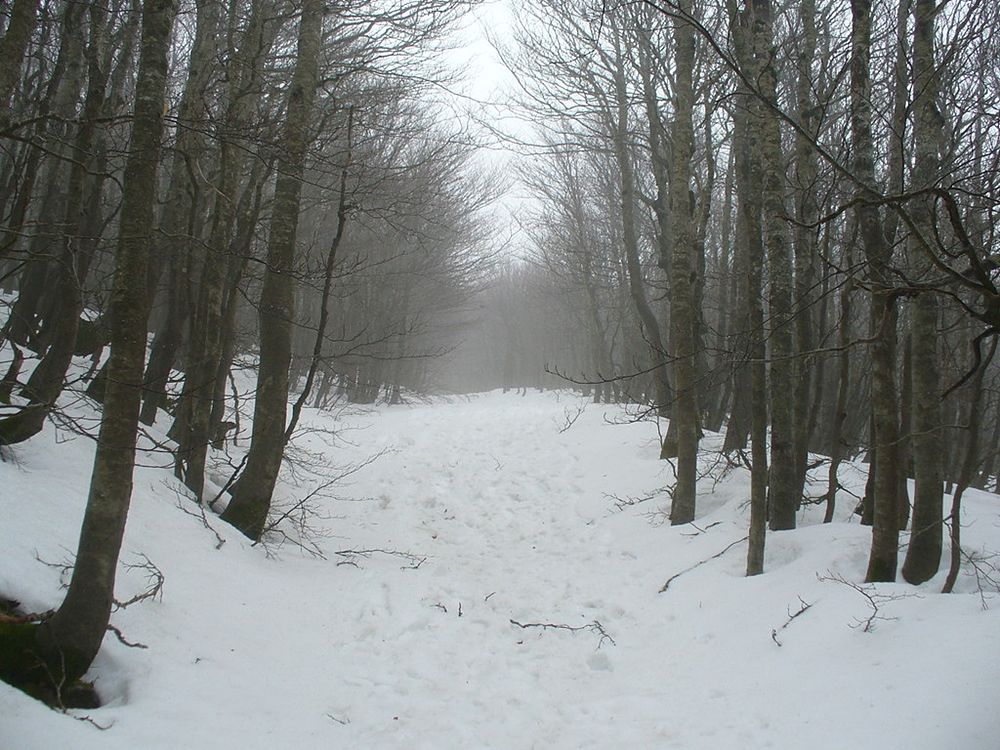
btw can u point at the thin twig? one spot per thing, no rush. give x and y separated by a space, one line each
594 626
791 618
701 562
123 640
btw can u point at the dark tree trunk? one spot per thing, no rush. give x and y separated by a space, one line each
749 226
72 637
251 496
12 48
48 379
923 556
783 484
683 313
884 465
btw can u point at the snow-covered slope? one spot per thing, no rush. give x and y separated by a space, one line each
506 517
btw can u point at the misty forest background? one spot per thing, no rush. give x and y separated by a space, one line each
772 220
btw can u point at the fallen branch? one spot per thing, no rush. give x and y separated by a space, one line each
986 569
570 416
92 722
219 541
716 556
594 626
123 640
154 579
872 597
698 529
349 554
791 618
621 503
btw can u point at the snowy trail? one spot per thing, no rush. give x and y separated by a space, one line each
515 518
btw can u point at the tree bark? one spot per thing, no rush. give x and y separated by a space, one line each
13 45
884 400
72 637
923 556
194 431
251 496
683 315
636 283
749 226
783 484
49 376
807 211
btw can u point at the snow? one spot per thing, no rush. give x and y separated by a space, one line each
508 513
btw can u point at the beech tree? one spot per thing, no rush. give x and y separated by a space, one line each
70 639
251 496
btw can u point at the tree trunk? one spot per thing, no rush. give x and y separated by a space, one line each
636 282
807 210
13 45
683 315
251 496
923 556
837 441
182 225
970 464
748 224
885 431
48 379
194 431
783 500
324 303
72 637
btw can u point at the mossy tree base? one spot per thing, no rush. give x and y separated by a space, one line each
25 665
22 667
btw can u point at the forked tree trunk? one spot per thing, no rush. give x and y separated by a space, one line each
186 199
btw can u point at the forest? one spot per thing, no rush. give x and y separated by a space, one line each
759 238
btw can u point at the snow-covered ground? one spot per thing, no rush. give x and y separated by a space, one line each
506 517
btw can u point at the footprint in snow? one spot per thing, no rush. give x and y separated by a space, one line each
599 662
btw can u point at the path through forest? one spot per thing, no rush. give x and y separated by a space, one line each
507 513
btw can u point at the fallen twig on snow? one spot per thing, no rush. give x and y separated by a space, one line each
123 640
154 577
716 556
791 618
570 416
699 530
872 597
621 503
92 722
182 505
349 554
594 626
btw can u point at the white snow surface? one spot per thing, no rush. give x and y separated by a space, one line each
509 516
